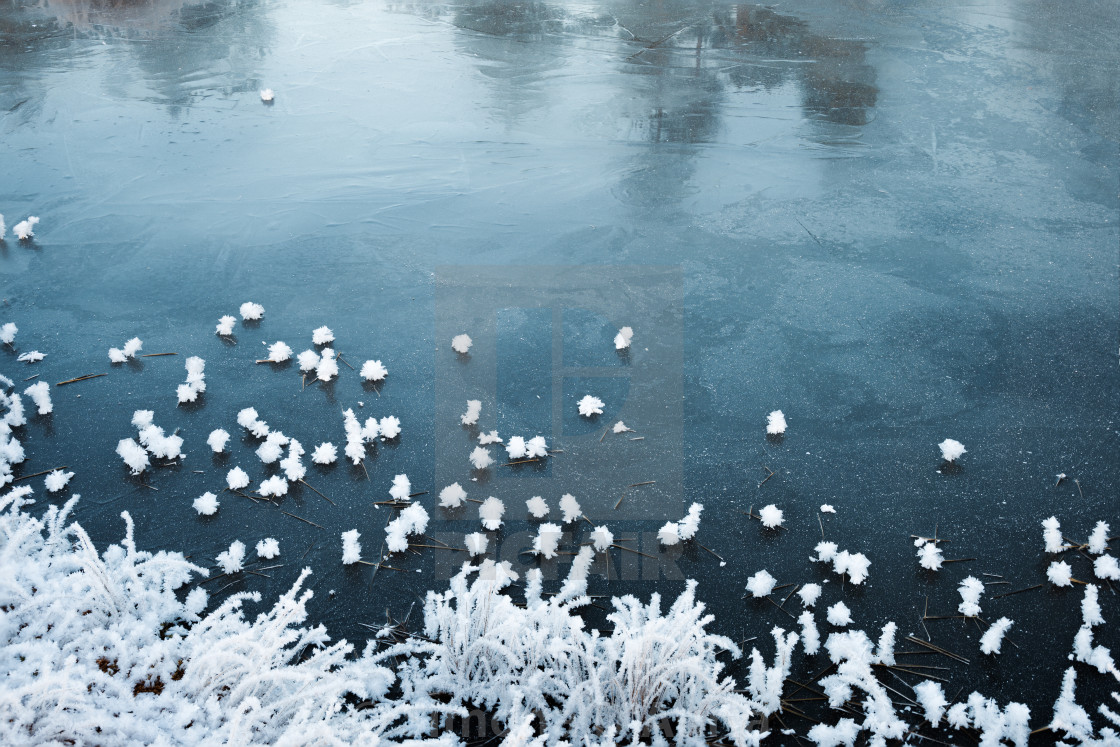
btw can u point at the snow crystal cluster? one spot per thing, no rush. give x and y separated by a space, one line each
196 380
152 441
534 448
461 344
685 529
358 435
411 520
452 496
843 562
127 352
351 548
251 312
929 554
775 423
474 408
623 338
951 450
373 371
24 230
590 405
40 394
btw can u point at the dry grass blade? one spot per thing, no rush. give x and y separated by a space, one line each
80 378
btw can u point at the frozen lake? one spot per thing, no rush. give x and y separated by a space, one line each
897 223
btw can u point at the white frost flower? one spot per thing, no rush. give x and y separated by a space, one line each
537 506
452 496
32 357
776 423
133 455
771 516
569 506
8 333
268 548
389 427
547 540
328 366
536 448
236 479
1052 535
623 338
620 427
854 565
490 512
278 352
970 589
474 408
492 437
267 95
602 538
251 312
186 393
322 336
196 380
690 524
293 468
1106 567
1091 608
951 449
24 229
809 594
827 509
373 371
1098 540
308 360
1060 573
206 504
56 480
481 458
668 535
810 636
272 448
217 440
839 615
274 486
225 326
401 488
412 520
826 551
589 406
231 560
40 394
931 697
515 447
993 637
351 549
461 344
929 555
129 351
324 453
476 543
761 584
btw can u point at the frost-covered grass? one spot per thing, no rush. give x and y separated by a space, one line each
111 648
